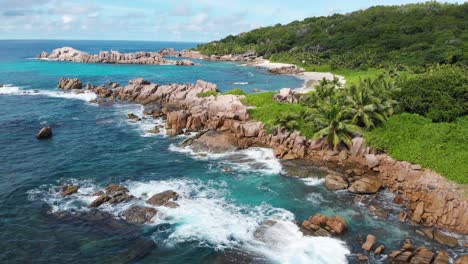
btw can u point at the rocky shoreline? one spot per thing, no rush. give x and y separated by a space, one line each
112 57
223 123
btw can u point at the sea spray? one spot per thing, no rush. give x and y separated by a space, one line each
207 218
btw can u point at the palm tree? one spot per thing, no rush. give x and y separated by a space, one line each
331 118
370 102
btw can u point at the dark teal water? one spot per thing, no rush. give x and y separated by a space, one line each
94 146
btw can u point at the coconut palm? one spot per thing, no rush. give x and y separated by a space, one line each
370 103
331 118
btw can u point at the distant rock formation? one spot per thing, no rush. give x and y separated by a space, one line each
44 133
287 70
112 57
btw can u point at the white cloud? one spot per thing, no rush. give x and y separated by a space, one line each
67 19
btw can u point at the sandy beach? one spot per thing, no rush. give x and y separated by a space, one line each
311 79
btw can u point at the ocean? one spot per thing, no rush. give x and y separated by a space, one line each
93 146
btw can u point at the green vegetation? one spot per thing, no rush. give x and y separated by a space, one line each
411 60
207 94
274 114
439 146
411 35
237 91
440 94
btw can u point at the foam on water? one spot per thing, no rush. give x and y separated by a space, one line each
241 83
310 181
207 218
146 123
252 159
14 90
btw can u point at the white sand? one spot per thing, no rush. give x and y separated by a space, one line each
311 79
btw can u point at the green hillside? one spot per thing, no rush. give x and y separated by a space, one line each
408 35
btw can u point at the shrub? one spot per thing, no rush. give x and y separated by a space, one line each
207 94
439 146
237 91
440 94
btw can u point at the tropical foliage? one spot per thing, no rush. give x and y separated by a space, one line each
440 94
439 146
381 36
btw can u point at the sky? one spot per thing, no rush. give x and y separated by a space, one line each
160 20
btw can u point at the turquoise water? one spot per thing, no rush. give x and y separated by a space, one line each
94 146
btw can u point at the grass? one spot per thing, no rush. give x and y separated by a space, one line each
438 146
237 91
267 110
207 94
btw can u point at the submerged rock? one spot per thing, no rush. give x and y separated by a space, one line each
69 190
165 198
134 117
139 215
44 133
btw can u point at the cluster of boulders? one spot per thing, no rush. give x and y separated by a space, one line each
408 253
364 171
247 56
114 57
286 95
116 194
68 84
287 70
322 225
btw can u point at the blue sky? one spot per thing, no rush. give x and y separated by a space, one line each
181 20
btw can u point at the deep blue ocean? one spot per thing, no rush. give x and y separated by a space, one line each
93 146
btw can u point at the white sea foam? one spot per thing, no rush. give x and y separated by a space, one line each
207 218
252 159
146 123
241 83
310 181
14 90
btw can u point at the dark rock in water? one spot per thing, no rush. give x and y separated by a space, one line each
232 256
67 84
139 215
44 133
70 190
113 194
378 211
155 130
263 228
100 200
163 198
134 117
362 258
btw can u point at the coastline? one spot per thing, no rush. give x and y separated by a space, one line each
311 79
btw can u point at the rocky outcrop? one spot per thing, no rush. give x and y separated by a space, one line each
335 182
113 57
287 70
421 255
69 190
67 84
286 95
112 194
139 214
44 133
366 185
166 198
321 225
365 170
370 242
